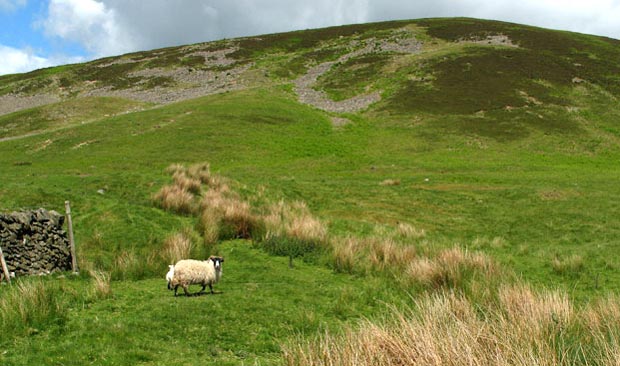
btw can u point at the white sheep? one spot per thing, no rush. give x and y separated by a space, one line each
169 275
192 272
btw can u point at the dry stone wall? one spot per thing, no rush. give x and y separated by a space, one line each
34 242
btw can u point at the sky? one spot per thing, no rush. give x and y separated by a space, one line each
42 33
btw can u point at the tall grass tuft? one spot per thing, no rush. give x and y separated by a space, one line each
535 314
424 271
101 287
187 183
346 255
209 226
32 304
409 232
174 168
177 246
291 230
202 172
176 199
225 216
572 265
448 329
386 254
130 265
372 255
181 196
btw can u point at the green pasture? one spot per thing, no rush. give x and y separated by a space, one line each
494 150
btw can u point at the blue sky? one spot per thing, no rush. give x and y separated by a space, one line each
42 33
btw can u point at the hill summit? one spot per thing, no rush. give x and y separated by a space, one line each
488 72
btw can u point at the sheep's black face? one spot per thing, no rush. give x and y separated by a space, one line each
217 261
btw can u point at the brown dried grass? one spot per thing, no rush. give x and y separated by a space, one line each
368 255
187 183
390 182
569 265
293 221
101 284
407 231
524 328
225 216
176 199
176 247
174 168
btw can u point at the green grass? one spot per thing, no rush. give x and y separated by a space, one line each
259 303
477 186
533 185
63 115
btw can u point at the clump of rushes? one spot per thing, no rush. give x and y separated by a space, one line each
449 268
284 229
183 195
521 327
572 265
291 230
177 246
187 183
101 288
131 265
223 215
371 255
31 305
408 231
176 199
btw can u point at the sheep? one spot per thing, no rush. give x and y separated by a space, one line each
169 275
190 272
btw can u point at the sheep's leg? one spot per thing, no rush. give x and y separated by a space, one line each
211 287
186 291
203 288
175 290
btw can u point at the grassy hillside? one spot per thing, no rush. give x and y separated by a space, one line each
490 137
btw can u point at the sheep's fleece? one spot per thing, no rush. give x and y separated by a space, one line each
169 275
193 272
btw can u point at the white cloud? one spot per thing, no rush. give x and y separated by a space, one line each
600 17
89 23
11 5
15 60
109 27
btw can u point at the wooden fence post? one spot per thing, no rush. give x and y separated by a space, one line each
74 265
5 269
